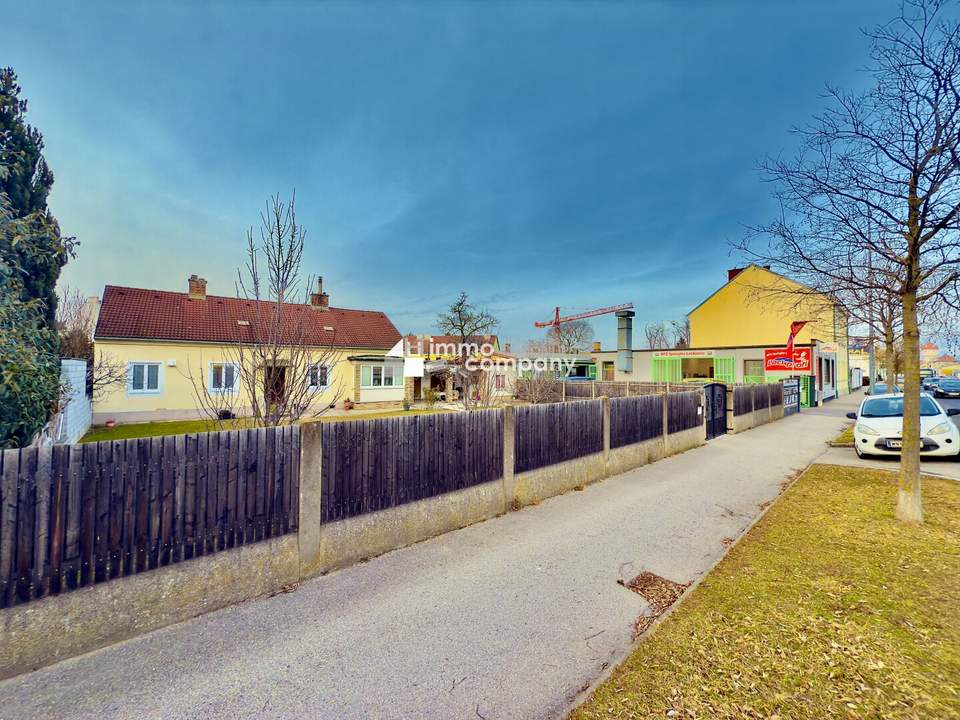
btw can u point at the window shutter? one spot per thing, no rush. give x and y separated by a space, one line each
366 376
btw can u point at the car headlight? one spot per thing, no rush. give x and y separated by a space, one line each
941 429
866 429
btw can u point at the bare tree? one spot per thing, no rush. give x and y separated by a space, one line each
283 362
538 387
681 332
76 322
877 178
656 335
467 324
565 338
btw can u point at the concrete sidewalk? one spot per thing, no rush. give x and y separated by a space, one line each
510 618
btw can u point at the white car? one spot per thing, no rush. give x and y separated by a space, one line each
879 428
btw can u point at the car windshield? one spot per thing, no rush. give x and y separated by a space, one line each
893 407
881 388
950 384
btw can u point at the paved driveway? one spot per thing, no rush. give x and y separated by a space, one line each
510 618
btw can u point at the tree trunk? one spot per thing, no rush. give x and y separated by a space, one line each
909 500
889 356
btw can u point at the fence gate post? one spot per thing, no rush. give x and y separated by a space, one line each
606 435
666 419
308 527
509 422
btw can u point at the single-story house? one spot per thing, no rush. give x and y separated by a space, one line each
176 345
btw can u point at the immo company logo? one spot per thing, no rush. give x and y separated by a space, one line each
473 356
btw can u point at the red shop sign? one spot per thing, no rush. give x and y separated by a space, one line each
780 360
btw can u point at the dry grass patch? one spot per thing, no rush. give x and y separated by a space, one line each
829 608
845 437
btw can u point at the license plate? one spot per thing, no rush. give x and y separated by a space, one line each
894 444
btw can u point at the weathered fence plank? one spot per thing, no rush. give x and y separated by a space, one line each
635 419
72 516
683 411
556 432
371 465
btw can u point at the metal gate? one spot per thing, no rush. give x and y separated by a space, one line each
715 409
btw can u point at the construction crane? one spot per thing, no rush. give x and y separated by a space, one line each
557 320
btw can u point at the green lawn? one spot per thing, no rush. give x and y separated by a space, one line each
829 608
180 427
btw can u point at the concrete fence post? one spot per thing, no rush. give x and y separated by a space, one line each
606 434
666 420
308 527
509 425
593 389
730 416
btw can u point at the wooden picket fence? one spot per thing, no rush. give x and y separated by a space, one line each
635 419
75 515
555 432
371 465
748 398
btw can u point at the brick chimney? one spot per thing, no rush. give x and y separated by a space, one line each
733 272
319 300
197 288
596 346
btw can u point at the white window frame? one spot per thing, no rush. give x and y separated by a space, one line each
396 374
144 391
222 391
319 367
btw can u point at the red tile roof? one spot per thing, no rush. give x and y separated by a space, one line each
135 313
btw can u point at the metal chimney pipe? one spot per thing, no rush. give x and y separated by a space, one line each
625 341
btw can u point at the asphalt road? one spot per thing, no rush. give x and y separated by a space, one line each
942 466
510 618
951 403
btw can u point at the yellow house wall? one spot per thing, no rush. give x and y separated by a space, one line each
744 313
177 398
753 309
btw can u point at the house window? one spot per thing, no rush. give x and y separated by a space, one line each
317 376
223 377
499 382
144 378
381 376
390 376
753 368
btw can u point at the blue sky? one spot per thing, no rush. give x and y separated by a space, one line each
532 154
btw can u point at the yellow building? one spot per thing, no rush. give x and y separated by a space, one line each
184 351
755 309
